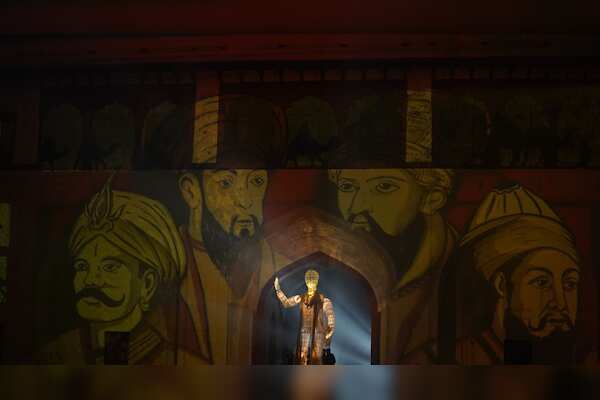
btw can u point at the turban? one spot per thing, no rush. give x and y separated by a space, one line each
430 178
512 221
137 225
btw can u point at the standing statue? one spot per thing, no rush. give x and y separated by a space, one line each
317 321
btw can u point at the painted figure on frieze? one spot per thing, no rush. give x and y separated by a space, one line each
462 132
400 208
317 320
229 261
128 259
111 142
61 137
519 274
312 131
530 262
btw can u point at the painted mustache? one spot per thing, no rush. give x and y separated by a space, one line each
553 318
98 295
244 232
363 219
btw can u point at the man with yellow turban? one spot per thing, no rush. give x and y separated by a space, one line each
128 260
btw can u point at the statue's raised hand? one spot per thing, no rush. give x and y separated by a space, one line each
276 284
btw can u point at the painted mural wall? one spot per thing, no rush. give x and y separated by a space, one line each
158 217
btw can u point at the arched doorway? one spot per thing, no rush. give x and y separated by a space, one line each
306 232
356 340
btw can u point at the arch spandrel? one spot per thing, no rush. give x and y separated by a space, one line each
305 231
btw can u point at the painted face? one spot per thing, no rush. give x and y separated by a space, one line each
544 295
107 283
235 199
391 197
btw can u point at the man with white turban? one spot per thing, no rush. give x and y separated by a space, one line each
524 271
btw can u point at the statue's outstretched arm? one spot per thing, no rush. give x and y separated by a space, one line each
286 302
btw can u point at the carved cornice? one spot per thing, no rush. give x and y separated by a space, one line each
53 50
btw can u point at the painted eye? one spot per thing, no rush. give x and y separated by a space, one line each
346 187
111 267
570 285
225 183
258 181
81 266
541 283
386 187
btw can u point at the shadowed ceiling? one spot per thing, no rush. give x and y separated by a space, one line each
287 16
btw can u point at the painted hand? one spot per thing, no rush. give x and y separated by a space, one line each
276 284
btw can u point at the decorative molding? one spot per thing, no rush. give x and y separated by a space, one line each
292 72
98 50
419 118
63 79
206 110
519 72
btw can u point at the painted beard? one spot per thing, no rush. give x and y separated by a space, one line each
556 348
236 257
402 248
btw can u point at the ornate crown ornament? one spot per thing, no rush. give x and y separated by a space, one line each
99 211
